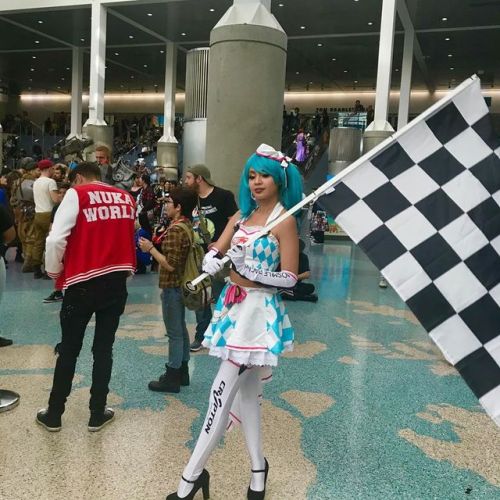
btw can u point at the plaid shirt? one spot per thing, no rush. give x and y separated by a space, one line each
175 247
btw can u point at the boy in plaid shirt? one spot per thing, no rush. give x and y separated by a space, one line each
172 260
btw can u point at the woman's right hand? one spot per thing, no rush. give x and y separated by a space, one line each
212 262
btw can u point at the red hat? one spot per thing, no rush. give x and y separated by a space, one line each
43 164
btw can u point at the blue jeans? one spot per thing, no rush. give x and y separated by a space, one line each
174 317
204 316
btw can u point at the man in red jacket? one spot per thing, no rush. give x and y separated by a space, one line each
91 244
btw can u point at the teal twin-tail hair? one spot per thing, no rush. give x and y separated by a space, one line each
290 191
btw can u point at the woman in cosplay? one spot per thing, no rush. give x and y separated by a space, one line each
250 327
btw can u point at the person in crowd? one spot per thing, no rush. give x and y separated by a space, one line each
7 235
45 195
4 195
59 173
250 328
358 107
57 293
136 187
92 245
216 205
370 115
172 261
143 258
301 143
301 291
146 203
23 205
103 159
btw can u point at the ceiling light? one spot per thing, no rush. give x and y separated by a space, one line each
444 19
149 14
162 52
117 53
67 69
132 76
396 70
345 71
33 57
302 27
145 65
32 69
320 45
183 34
334 59
213 10
37 41
355 81
370 24
62 79
281 5
447 38
40 22
82 39
452 69
131 37
58 87
297 72
450 55
310 83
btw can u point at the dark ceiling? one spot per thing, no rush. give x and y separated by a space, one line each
35 46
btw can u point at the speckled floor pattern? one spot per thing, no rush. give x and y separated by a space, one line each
364 408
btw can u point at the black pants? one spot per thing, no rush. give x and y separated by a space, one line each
106 297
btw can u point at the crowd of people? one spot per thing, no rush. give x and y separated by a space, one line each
72 225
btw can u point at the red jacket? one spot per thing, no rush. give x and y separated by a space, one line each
93 233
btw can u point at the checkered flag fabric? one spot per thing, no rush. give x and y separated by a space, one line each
425 208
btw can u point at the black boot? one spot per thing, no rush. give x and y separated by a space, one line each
37 272
184 374
170 381
259 495
203 482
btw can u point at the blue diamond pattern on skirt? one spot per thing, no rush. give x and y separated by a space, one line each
266 251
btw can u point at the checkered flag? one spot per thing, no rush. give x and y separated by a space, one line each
425 207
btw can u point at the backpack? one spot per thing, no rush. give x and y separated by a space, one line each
200 297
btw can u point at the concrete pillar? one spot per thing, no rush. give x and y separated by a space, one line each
166 153
97 65
195 107
406 69
76 93
386 44
246 79
344 148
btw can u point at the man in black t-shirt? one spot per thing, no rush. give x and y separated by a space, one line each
7 234
217 205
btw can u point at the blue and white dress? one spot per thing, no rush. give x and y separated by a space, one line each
256 330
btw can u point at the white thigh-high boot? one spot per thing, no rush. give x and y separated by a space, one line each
250 408
225 386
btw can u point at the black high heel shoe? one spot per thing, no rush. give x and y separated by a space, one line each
259 495
203 482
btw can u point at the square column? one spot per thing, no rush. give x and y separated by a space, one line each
76 93
167 145
386 45
97 65
406 70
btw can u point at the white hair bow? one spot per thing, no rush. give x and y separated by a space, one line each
267 151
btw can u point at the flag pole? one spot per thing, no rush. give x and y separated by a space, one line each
330 184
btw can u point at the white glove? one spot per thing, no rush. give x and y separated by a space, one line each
237 256
212 262
278 279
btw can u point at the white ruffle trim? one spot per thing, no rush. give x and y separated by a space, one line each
253 358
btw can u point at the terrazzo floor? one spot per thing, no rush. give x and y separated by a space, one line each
365 407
